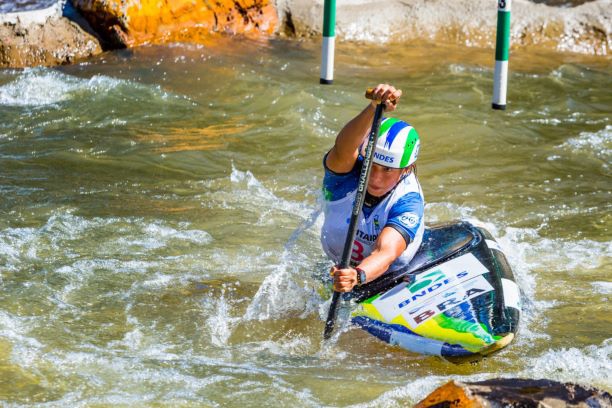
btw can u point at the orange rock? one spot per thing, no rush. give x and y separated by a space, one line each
515 392
450 395
128 23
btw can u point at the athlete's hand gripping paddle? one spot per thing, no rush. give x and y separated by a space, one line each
357 205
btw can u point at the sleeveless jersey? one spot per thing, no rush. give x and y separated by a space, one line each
401 209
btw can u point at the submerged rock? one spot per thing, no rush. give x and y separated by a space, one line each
127 23
43 37
583 29
513 392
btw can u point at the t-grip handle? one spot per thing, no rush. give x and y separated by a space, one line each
369 94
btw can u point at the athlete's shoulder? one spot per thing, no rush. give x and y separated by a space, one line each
338 185
410 202
406 215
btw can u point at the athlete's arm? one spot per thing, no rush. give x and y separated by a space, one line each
388 247
341 158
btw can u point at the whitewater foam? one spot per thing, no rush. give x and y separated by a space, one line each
588 365
63 226
46 86
25 349
283 294
262 197
603 287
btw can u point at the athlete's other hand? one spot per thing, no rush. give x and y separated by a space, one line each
386 94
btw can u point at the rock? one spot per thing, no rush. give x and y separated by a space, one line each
584 29
43 37
128 23
513 392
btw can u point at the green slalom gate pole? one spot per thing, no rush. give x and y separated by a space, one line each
329 36
502 50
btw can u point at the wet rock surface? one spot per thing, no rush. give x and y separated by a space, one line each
586 28
514 392
135 22
43 37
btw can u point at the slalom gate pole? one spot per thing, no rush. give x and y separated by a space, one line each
502 48
329 37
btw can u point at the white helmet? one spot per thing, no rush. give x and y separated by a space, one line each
397 145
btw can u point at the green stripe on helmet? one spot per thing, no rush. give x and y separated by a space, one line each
411 142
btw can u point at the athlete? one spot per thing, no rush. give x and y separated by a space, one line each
390 227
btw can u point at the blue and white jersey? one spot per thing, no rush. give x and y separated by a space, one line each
401 209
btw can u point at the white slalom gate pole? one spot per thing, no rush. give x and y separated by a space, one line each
502 50
329 36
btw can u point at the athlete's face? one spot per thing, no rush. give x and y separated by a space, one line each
383 179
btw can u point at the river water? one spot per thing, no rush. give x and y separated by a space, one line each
159 221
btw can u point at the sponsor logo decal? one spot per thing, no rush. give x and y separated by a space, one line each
382 157
409 219
365 236
432 288
447 300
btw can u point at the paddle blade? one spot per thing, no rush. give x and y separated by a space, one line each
331 316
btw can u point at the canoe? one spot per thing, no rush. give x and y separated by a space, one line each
457 298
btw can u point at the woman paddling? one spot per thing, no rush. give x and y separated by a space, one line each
391 226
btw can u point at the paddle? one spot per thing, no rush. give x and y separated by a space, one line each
357 205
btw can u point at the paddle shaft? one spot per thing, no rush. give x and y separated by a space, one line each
357 205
